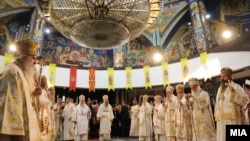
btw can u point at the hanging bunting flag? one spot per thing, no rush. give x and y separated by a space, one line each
111 79
184 69
147 77
7 58
52 74
165 74
72 79
204 60
129 78
91 79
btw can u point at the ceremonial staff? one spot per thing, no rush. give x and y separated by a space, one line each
37 92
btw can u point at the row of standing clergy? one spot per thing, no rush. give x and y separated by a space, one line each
187 117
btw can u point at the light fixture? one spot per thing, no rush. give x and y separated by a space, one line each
157 57
226 34
208 16
100 23
47 31
12 48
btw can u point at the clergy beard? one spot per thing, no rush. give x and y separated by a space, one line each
197 90
29 75
223 85
106 103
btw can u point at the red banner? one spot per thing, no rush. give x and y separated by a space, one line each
91 79
72 79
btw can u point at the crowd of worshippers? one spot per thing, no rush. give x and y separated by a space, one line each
28 112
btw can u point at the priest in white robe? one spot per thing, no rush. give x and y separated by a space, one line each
134 126
81 119
68 125
170 106
105 116
159 120
18 117
145 120
182 116
202 117
230 99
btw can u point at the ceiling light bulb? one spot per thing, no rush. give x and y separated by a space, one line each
226 34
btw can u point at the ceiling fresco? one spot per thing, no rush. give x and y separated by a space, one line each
175 32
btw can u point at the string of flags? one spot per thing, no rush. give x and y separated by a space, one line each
128 70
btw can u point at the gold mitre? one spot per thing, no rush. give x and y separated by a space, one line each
27 46
81 97
179 87
105 97
226 71
145 96
170 88
193 81
157 97
43 80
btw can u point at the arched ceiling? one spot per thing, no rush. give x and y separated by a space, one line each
172 21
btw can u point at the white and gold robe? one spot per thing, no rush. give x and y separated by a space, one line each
170 106
145 122
228 108
134 126
202 117
81 116
159 122
105 114
17 115
183 129
68 125
58 121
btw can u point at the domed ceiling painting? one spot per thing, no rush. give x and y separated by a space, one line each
173 28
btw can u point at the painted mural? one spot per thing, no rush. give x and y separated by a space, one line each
170 9
139 53
60 50
13 27
6 4
119 56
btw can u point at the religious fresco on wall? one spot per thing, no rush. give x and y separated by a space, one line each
172 51
7 4
234 7
187 44
60 50
139 53
119 56
167 14
36 26
12 28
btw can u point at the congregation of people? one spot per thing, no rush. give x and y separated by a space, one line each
28 111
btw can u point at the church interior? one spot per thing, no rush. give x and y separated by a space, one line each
124 40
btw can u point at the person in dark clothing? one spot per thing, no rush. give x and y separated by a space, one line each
94 123
116 123
125 120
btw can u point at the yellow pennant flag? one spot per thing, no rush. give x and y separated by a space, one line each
129 78
165 75
203 57
52 75
111 79
204 60
184 69
147 77
7 58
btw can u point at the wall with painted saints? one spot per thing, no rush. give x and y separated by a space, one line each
13 27
58 49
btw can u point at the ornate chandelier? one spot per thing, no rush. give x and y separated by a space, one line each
100 23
